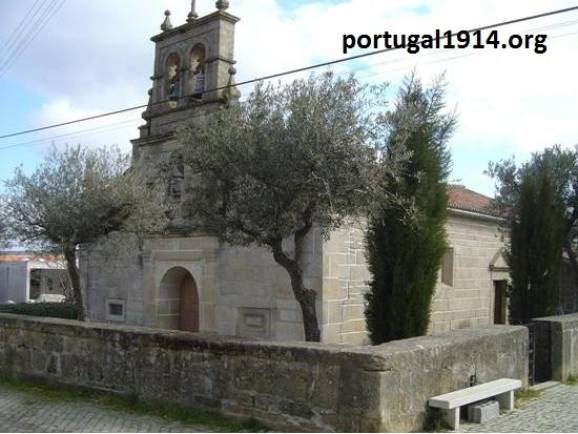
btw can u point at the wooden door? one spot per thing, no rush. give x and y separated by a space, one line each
189 305
500 301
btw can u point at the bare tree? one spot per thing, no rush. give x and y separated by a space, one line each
79 196
290 157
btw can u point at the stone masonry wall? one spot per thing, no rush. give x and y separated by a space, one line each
345 281
289 386
467 303
562 345
251 285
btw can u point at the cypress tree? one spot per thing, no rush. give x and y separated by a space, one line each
537 235
405 248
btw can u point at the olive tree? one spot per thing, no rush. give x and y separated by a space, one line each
290 157
79 196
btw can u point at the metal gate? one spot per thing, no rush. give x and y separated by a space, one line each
539 362
531 353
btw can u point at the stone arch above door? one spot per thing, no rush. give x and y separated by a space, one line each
499 268
178 306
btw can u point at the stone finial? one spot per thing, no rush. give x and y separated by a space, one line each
193 14
222 5
167 25
231 93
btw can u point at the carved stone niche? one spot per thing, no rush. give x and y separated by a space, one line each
254 322
176 177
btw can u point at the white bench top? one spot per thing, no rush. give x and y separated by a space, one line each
474 393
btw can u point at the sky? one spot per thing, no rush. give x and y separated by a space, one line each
95 56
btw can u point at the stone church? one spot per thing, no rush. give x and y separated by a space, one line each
195 283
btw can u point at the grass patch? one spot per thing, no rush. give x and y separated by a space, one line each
168 412
525 395
572 380
435 421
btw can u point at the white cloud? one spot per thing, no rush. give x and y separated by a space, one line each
118 130
96 56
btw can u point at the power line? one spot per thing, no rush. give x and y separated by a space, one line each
15 35
33 32
75 134
294 71
21 28
124 124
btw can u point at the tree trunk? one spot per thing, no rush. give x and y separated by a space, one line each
304 296
70 257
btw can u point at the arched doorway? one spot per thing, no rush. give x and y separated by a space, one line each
178 303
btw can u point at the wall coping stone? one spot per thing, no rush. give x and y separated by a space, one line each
567 320
371 358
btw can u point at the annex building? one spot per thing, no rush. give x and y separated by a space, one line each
195 283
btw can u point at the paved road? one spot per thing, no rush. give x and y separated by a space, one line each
22 412
555 411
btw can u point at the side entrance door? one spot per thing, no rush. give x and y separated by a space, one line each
500 301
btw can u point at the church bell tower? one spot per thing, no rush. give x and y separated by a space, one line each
193 72
193 77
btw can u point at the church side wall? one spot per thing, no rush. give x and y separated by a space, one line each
469 302
255 296
345 277
113 278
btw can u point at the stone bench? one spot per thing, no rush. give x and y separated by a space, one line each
503 389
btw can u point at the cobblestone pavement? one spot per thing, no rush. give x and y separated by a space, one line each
555 411
22 412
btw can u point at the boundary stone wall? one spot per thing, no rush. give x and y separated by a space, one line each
297 386
560 343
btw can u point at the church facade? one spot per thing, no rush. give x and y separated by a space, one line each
195 283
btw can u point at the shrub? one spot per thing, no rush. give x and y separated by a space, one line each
53 310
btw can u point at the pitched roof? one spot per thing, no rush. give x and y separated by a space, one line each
461 198
24 256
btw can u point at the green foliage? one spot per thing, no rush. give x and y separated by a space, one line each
435 420
53 310
405 249
79 196
291 157
539 203
537 236
525 395
572 380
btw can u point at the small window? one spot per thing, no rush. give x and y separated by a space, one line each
448 267
115 310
